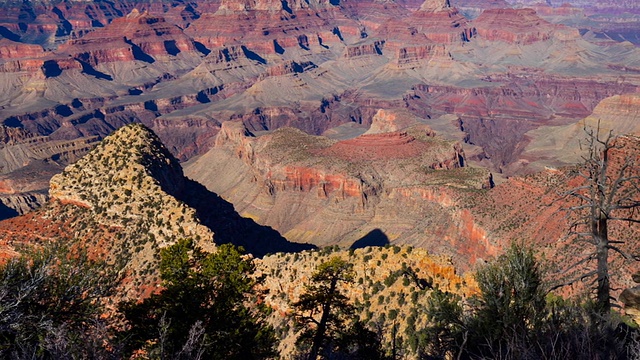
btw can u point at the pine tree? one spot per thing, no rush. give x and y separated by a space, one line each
328 318
203 309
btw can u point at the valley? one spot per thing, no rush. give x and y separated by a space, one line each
394 135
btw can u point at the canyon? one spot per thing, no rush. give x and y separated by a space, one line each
443 125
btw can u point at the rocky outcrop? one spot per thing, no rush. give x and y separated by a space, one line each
289 67
333 192
15 50
442 23
126 175
518 26
619 113
392 120
411 55
374 48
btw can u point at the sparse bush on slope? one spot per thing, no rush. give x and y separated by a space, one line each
513 318
51 306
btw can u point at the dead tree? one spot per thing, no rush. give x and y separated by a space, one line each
609 192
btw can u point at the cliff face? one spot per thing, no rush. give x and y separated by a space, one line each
619 113
27 160
328 192
517 26
146 38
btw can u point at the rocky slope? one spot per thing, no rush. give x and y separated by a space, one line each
390 287
313 189
26 161
128 198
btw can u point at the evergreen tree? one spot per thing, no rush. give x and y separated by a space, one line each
505 316
327 317
202 310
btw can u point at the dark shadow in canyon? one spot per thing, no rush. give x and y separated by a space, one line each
7 212
228 226
171 47
89 70
50 69
63 110
253 56
201 48
375 237
138 53
4 32
278 49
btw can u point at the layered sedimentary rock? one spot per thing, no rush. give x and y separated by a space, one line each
14 50
519 26
318 66
26 161
441 22
145 37
265 28
333 192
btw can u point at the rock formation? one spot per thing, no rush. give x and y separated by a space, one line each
299 184
516 26
128 198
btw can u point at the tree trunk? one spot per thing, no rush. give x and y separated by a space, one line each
318 338
602 256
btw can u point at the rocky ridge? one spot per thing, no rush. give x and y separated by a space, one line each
131 177
128 198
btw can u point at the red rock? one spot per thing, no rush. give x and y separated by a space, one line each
441 23
374 48
153 35
376 147
15 50
516 26
288 67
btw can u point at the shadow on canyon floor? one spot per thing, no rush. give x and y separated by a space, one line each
229 227
375 237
